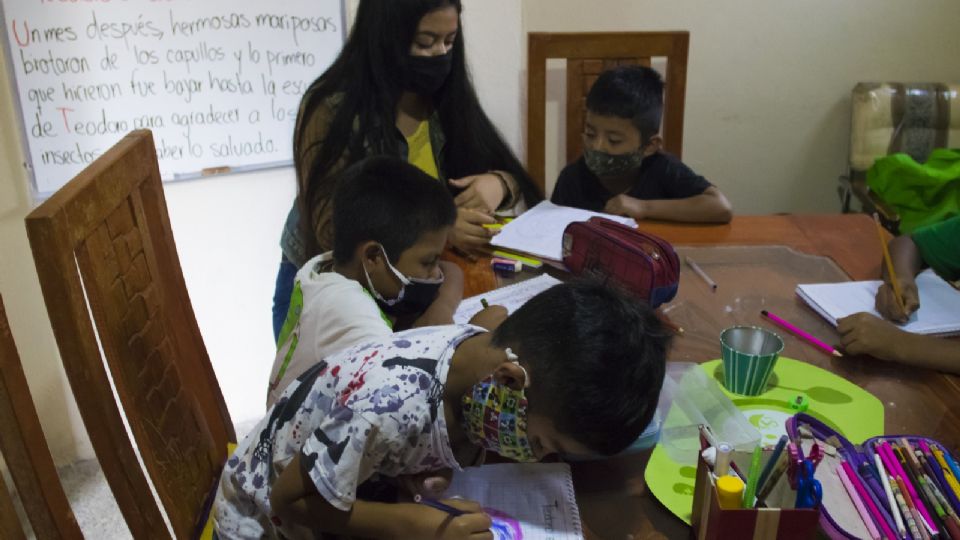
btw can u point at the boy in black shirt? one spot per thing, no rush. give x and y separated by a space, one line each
623 170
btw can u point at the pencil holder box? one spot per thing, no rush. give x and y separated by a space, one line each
710 522
840 518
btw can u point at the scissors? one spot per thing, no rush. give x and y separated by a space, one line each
809 490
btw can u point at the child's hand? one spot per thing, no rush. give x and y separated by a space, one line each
468 233
489 317
624 205
429 484
430 523
864 333
887 302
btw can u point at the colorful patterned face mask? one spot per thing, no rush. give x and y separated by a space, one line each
495 418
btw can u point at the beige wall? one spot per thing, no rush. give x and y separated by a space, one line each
768 83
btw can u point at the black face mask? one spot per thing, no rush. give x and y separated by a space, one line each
416 294
426 74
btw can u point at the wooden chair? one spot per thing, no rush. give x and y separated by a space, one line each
588 55
27 456
115 293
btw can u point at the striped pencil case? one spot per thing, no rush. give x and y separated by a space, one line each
921 476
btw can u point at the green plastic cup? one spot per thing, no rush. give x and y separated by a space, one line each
749 355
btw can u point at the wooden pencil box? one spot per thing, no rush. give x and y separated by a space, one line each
839 518
710 522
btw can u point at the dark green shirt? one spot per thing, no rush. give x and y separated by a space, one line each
939 246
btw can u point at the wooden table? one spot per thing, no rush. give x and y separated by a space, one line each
612 495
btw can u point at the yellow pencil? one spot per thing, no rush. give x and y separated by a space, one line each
889 262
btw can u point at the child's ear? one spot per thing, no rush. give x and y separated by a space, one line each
654 145
370 254
510 374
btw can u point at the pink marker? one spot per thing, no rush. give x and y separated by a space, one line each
801 334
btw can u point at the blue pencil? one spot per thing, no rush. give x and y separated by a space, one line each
772 461
433 503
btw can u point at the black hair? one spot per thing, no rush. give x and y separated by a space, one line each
631 92
390 201
596 359
370 75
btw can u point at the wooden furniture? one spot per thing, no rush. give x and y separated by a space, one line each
114 290
892 117
612 495
587 55
27 456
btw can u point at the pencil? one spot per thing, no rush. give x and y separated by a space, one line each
699 271
891 500
433 503
801 334
889 262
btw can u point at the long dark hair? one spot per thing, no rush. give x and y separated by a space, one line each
369 74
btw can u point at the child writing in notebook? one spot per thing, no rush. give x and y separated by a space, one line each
936 246
391 223
623 170
577 370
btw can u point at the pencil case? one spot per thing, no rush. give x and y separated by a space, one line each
839 517
641 263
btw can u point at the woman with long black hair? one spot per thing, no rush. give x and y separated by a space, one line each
400 86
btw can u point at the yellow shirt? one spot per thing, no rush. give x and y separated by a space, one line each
420 151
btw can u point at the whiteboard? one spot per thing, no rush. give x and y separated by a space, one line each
219 82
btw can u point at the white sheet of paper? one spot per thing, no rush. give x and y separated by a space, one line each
510 297
939 311
528 501
539 231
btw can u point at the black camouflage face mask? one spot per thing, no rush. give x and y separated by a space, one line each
603 164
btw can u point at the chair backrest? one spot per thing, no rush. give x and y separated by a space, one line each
27 456
891 117
114 290
587 55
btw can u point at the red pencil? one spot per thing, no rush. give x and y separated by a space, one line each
801 334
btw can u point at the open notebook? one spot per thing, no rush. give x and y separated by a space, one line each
511 297
939 311
529 501
539 231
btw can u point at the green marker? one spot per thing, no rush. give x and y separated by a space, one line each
750 493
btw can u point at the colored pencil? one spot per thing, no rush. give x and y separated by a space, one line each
858 503
699 271
908 516
891 500
752 477
897 293
899 471
801 334
868 478
774 457
868 502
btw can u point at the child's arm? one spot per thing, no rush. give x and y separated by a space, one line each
711 206
907 263
448 299
295 501
863 333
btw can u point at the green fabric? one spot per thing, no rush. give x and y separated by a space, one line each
920 193
939 246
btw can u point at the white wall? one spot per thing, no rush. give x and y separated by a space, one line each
768 82
227 231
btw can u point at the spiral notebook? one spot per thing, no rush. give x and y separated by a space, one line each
939 311
528 501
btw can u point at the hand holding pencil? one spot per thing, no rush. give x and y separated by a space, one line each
888 306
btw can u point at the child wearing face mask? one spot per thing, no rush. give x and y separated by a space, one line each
576 370
623 170
399 87
392 222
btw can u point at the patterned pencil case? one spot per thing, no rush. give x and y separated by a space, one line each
930 493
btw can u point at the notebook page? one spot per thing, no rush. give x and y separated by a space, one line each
539 231
528 501
511 297
939 311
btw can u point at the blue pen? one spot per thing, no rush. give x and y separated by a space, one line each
433 503
777 450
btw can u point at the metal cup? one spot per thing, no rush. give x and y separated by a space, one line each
749 355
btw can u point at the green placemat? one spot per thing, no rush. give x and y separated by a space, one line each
835 401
